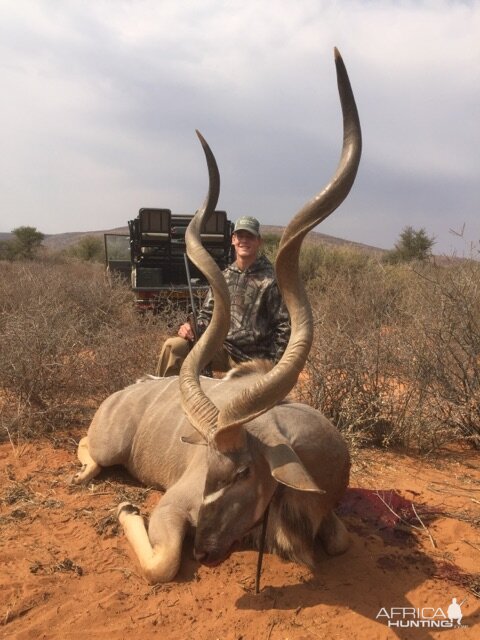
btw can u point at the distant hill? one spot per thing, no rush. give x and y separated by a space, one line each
59 241
322 238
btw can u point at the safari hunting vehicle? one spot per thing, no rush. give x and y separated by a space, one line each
153 256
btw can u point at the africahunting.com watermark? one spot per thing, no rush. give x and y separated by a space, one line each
424 617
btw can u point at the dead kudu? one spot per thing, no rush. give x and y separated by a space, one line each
260 448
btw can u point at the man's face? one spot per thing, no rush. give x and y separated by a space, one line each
246 244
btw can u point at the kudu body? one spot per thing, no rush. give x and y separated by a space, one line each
260 448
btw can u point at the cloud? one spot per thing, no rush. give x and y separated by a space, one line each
103 99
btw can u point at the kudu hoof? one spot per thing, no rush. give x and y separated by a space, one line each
126 509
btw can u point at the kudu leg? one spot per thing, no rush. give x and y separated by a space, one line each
158 551
90 468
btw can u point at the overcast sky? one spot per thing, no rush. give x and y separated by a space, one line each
100 100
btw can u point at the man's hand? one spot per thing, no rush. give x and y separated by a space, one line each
186 332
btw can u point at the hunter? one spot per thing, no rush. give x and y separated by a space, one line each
260 326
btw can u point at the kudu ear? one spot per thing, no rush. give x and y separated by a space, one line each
285 465
287 468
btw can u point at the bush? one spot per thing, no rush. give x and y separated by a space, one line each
412 245
395 358
270 245
396 355
88 249
443 344
68 337
318 260
24 246
354 360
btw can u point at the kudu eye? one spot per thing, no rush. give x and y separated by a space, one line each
242 473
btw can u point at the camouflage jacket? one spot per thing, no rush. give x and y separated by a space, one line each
260 325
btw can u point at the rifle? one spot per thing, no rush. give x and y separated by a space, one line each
192 301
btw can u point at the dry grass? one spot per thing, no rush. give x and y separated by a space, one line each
395 359
68 338
396 355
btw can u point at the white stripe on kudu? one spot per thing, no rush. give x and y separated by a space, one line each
214 496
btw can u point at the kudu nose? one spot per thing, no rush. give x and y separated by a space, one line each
200 556
209 558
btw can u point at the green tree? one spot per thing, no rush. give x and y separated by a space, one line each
25 244
89 249
411 245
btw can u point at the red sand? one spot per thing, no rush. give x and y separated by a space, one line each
68 572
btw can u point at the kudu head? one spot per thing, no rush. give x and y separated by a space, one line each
244 467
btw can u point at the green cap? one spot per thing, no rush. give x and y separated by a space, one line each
247 223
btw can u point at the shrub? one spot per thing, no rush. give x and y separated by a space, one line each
395 358
444 345
270 245
24 245
68 337
396 355
317 261
320 262
89 249
412 245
